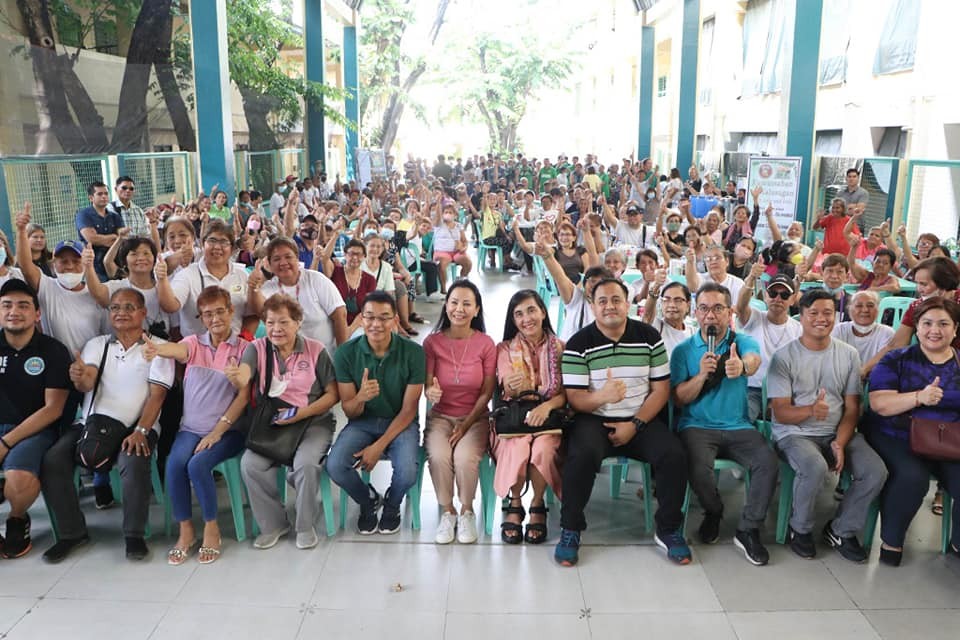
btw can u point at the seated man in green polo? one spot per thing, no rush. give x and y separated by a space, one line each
380 377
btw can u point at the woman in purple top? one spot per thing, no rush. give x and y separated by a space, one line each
211 407
923 381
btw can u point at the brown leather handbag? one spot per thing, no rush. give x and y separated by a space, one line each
935 439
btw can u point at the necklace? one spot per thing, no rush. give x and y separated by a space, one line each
766 335
458 362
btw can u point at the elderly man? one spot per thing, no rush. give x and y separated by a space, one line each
863 332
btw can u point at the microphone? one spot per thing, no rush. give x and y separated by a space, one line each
712 339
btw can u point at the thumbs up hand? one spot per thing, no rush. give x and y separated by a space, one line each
820 408
149 348
369 389
613 390
931 394
434 392
734 367
77 369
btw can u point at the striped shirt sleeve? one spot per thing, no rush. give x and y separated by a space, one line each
576 372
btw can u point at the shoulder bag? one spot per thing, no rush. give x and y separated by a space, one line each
272 441
508 419
101 436
936 439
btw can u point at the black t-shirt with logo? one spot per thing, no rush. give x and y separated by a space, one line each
25 375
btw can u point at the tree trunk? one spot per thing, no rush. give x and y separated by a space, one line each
256 110
166 78
146 44
89 119
394 110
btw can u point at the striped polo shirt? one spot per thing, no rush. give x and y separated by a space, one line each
638 358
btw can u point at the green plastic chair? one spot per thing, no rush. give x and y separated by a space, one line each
413 495
899 305
482 248
326 498
117 486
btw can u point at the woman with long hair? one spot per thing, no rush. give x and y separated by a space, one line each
528 359
461 365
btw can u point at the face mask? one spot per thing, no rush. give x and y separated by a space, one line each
3 255
834 292
369 232
796 259
448 217
863 328
69 280
935 294
277 387
387 234
673 227
308 234
651 195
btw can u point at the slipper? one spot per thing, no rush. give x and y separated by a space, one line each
210 552
177 556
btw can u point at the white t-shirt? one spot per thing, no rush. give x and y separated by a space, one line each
384 276
319 298
731 282
72 317
628 235
672 337
125 382
188 284
276 203
577 315
12 272
310 196
868 346
771 338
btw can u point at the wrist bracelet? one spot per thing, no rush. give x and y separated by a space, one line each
142 431
5 443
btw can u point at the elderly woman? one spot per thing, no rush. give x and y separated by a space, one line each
212 406
461 363
528 359
304 380
920 381
325 314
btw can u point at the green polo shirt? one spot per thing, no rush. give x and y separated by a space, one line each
403 364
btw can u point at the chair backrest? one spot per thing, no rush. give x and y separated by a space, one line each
758 305
892 309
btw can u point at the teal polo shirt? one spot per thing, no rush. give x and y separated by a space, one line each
403 364
724 406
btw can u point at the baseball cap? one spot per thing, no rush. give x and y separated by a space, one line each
289 178
73 245
633 211
14 285
781 280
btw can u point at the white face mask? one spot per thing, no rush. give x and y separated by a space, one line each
3 255
69 280
863 328
277 387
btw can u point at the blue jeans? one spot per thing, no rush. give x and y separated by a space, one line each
185 467
403 453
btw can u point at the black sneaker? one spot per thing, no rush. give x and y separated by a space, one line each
849 547
103 497
367 522
63 547
389 520
18 542
710 528
748 541
136 549
802 544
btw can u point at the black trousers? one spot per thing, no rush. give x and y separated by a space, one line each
586 445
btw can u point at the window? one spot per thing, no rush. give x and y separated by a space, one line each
828 142
105 35
764 47
889 142
705 82
661 86
68 28
767 143
898 40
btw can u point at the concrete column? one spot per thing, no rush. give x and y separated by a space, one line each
647 52
687 114
315 63
351 82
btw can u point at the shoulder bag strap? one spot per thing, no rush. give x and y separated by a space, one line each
96 385
268 369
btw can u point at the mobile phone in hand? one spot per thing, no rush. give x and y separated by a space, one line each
285 414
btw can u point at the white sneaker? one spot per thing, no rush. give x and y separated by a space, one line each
267 540
467 528
307 539
445 531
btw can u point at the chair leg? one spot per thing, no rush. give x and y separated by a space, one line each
413 494
488 499
870 527
616 478
326 497
230 470
647 497
947 520
785 503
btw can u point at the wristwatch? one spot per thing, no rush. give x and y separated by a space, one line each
639 424
142 431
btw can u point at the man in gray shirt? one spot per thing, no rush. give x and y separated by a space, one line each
814 389
854 194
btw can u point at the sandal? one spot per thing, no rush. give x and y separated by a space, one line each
177 555
208 555
937 506
410 330
538 528
416 317
512 532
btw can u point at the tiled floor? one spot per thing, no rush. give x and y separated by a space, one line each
404 586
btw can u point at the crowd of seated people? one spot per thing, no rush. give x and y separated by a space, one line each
211 332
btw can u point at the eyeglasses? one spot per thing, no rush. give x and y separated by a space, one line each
126 308
369 317
717 309
712 258
216 313
218 242
355 254
677 300
783 295
127 188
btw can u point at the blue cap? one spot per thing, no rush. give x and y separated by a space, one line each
73 245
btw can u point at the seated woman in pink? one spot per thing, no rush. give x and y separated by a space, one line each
449 243
213 402
461 365
528 358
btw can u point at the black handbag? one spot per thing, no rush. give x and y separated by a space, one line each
272 441
509 417
101 436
